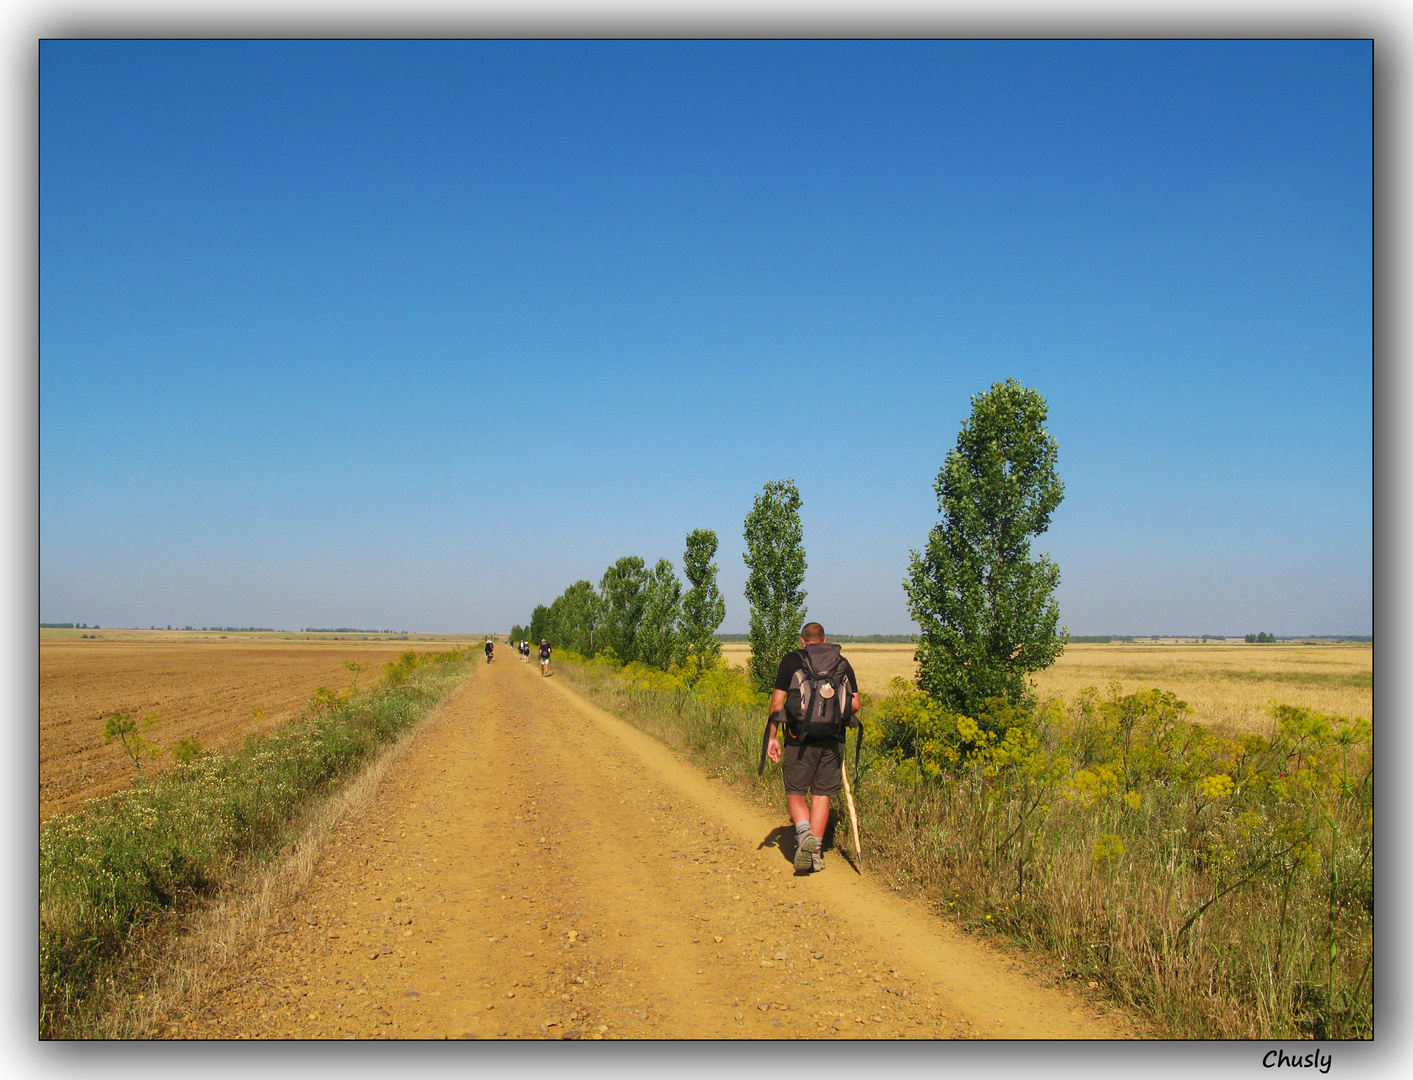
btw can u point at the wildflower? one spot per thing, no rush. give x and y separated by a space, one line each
1218 787
1106 849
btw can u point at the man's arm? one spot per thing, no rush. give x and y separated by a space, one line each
772 742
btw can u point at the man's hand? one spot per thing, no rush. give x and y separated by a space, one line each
772 725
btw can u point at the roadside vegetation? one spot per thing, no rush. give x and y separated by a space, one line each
112 873
1219 884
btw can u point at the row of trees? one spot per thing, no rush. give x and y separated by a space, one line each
986 609
647 616
641 614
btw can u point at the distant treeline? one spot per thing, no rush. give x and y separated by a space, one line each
861 639
347 630
227 629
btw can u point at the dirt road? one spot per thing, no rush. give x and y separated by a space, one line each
533 867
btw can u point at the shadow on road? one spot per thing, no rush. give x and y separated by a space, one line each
782 839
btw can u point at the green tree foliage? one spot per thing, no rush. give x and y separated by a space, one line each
623 589
986 609
775 554
575 620
517 634
659 638
703 607
539 624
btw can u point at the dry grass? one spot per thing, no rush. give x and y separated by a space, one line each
1226 684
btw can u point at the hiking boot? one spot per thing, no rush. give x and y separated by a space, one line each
806 852
817 861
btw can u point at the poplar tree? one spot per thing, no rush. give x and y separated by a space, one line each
539 623
574 620
703 607
775 554
659 640
623 591
986 609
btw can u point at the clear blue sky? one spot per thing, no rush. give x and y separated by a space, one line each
413 335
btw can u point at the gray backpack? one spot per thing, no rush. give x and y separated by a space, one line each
819 703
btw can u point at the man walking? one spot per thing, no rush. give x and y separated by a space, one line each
813 752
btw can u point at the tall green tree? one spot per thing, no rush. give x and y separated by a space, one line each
775 554
623 590
659 640
703 607
539 624
574 620
986 609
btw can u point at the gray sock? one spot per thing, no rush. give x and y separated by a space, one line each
802 829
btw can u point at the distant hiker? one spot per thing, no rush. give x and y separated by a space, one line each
544 656
815 698
490 648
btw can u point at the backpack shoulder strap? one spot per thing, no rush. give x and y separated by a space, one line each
806 666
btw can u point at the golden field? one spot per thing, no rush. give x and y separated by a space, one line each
1227 684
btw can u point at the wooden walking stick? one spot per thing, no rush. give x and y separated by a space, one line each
853 814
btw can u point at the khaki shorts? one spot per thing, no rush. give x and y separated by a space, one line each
812 769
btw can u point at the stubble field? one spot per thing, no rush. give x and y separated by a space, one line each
200 685
1226 684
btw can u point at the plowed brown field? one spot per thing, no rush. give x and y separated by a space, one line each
206 688
533 867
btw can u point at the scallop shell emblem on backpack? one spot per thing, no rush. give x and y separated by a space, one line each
826 691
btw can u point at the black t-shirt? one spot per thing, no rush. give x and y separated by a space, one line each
788 666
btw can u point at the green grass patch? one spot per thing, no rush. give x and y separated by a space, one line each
110 870
1334 680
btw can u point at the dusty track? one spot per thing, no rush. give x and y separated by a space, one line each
533 867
